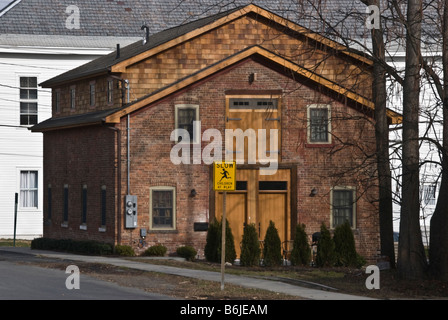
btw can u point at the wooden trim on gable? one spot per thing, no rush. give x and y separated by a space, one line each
255 50
121 66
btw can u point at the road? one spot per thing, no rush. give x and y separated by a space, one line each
27 282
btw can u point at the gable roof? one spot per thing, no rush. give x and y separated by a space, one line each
168 38
287 66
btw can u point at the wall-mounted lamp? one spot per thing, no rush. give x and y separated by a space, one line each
313 192
193 193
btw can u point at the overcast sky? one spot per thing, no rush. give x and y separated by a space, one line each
3 3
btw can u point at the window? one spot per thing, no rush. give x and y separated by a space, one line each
49 202
319 124
110 91
65 209
343 207
28 189
103 205
185 115
72 98
92 94
429 194
163 208
57 101
84 204
28 101
254 103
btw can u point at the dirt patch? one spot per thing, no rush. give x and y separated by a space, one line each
169 285
342 280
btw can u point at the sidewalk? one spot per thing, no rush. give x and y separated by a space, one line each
249 282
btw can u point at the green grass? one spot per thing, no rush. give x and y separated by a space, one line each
10 243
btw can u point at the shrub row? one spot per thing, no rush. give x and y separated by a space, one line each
76 246
339 250
99 248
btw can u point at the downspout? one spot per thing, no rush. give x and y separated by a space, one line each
118 184
128 129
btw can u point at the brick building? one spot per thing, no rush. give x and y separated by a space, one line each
112 134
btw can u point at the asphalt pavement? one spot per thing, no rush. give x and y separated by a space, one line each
250 282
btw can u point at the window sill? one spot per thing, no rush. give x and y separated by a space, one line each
102 229
319 145
64 224
83 227
162 231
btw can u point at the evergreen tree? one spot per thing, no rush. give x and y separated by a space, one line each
250 247
325 248
212 242
301 251
272 251
230 244
344 242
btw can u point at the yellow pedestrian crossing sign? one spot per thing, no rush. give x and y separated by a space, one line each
224 176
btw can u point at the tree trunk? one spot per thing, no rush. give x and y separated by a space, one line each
411 256
438 246
379 93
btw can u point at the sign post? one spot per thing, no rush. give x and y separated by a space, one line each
224 179
16 201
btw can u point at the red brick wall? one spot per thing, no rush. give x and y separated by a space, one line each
86 155
151 165
78 157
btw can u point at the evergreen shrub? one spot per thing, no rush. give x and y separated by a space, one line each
272 250
157 250
325 248
250 246
301 251
187 252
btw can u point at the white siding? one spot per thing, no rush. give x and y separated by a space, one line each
20 149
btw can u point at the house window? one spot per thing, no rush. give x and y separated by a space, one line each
57 101
110 91
343 206
319 124
28 101
185 115
429 194
28 189
65 209
163 208
72 98
92 94
84 204
49 202
103 205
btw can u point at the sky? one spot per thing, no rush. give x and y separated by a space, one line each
3 3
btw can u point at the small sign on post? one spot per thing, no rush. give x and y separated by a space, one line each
224 179
224 176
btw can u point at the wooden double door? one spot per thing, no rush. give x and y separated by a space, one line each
258 199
